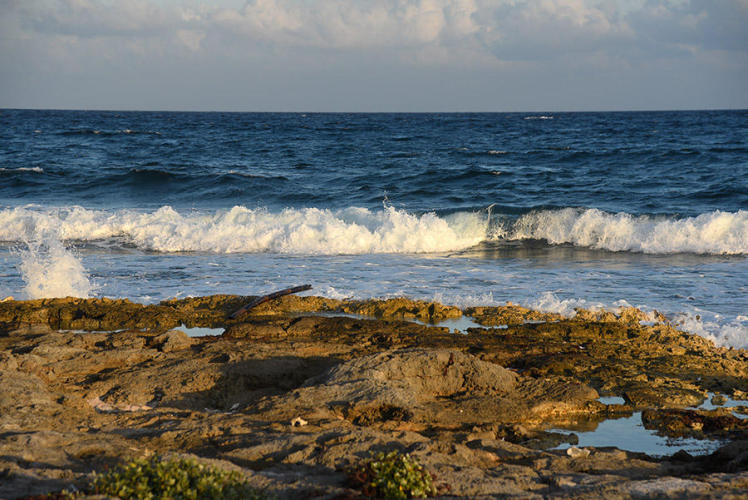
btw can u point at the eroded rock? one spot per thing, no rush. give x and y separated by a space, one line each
434 386
695 423
473 408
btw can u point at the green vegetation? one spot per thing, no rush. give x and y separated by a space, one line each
158 479
394 475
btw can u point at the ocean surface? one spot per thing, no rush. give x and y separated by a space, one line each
553 211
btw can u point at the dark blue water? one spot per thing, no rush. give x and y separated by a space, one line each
675 163
553 211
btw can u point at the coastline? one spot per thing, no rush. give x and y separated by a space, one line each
88 383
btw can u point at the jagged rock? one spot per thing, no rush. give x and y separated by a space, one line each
173 340
397 308
668 487
508 315
694 423
376 331
475 409
594 315
441 387
86 314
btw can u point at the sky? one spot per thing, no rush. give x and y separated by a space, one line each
386 55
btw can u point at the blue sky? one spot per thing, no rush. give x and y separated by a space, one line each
388 55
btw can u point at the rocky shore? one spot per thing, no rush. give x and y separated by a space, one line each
300 389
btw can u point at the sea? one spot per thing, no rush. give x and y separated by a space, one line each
554 211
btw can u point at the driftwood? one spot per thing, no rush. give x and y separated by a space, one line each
261 300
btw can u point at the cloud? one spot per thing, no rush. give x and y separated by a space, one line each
344 24
509 29
702 24
475 49
548 29
92 18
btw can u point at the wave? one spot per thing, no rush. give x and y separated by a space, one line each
362 231
720 233
732 332
291 231
89 131
38 170
479 153
723 331
51 270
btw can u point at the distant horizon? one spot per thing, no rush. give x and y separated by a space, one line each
566 111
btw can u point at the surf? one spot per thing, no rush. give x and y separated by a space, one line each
358 230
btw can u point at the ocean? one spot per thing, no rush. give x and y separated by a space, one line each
553 211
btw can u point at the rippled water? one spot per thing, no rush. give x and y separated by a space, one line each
554 211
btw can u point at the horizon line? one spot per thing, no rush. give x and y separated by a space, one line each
115 110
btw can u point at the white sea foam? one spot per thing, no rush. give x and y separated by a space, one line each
291 231
361 231
550 303
710 233
51 270
38 170
721 331
727 333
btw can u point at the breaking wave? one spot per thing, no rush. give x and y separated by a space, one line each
717 232
389 230
723 331
291 231
48 269
37 170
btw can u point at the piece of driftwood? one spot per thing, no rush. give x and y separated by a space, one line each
261 300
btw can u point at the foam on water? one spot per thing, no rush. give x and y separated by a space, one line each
357 230
723 331
291 231
51 270
548 302
730 333
715 232
38 170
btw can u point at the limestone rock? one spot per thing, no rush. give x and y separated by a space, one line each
475 409
432 312
173 340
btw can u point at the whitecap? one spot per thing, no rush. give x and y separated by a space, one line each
38 170
313 231
51 270
715 232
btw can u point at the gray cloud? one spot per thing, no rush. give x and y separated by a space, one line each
511 29
526 45
705 24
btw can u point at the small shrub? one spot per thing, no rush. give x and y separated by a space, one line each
157 479
393 475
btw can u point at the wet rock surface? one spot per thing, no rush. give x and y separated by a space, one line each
474 408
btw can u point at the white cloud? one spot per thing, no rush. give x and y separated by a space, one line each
509 29
344 24
190 38
475 45
95 18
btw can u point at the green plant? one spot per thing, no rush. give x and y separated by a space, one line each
393 475
159 479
